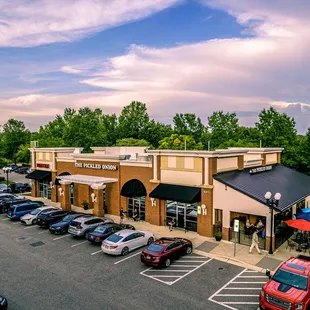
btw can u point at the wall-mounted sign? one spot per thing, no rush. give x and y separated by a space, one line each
260 169
43 166
236 225
95 166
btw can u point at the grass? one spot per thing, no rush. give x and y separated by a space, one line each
4 182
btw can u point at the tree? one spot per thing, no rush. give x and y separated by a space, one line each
180 142
188 124
13 136
110 124
153 132
132 142
222 127
23 154
132 120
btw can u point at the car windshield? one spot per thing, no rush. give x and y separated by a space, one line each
67 218
114 238
100 229
34 212
292 279
3 186
155 247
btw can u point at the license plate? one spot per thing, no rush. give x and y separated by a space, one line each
106 246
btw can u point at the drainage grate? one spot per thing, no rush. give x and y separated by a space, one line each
38 243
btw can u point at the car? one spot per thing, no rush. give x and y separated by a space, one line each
162 251
104 231
81 226
3 303
20 187
22 170
125 241
16 211
5 203
48 218
31 218
5 189
63 226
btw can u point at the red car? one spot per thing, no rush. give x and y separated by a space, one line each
162 251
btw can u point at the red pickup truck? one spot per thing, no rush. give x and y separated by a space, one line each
288 287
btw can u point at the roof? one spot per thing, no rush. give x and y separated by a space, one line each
85 179
293 186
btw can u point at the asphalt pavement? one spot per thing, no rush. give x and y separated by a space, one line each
42 271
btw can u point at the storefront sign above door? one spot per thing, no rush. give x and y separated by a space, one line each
43 166
95 166
260 169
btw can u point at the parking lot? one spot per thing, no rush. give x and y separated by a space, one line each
40 270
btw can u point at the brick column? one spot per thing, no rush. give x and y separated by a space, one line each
35 190
268 243
98 203
65 195
225 233
204 222
212 169
54 188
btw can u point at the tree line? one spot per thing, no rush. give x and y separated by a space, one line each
86 128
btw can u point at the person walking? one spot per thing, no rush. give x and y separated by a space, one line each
254 242
121 215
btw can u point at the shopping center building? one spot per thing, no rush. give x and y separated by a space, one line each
202 191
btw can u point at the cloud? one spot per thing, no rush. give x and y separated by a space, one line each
38 22
70 70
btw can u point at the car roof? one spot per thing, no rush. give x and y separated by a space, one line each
168 240
299 264
47 207
127 232
85 217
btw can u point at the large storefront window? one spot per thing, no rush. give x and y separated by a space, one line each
184 214
281 230
136 203
45 189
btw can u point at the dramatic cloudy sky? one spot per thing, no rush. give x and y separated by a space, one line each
175 55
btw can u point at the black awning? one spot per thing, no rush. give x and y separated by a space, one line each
61 174
178 193
133 188
39 175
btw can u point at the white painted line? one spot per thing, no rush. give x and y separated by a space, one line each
236 295
16 223
61 237
187 261
200 257
74 245
43 232
96 252
30 227
142 272
252 271
242 288
166 276
238 303
252 277
249 282
168 270
173 265
122 260
5 219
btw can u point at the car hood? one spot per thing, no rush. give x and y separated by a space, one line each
96 234
283 291
28 217
60 224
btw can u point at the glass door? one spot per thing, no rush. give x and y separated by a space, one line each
181 217
136 204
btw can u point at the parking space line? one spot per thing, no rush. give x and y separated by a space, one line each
242 288
146 275
96 252
252 277
250 282
74 245
239 303
169 270
120 261
5 219
30 227
236 295
16 223
187 261
61 237
43 232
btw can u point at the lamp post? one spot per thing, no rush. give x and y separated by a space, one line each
272 202
7 170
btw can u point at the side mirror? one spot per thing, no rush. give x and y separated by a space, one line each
268 273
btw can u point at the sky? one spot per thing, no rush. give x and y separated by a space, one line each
176 56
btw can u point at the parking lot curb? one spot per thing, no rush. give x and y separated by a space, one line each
230 260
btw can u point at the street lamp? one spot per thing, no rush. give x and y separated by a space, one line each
7 170
272 202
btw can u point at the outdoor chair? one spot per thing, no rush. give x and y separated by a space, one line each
291 245
305 247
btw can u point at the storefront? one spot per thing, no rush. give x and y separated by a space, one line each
202 191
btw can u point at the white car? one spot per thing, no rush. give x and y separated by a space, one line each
31 218
124 241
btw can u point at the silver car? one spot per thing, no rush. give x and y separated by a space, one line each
85 224
31 218
124 241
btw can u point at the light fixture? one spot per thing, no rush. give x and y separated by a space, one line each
268 195
277 196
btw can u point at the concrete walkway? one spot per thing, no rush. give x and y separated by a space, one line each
222 250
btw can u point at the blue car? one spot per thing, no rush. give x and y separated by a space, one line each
63 226
16 211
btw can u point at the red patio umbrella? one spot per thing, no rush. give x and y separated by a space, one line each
299 224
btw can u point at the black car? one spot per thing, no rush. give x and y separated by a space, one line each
6 202
20 187
63 226
3 303
48 218
22 170
104 231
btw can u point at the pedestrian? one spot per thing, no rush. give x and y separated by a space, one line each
135 215
254 242
171 224
121 215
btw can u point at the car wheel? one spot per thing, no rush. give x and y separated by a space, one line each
125 251
151 239
64 231
34 221
189 250
167 262
5 209
86 235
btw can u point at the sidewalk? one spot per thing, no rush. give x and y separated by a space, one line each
223 250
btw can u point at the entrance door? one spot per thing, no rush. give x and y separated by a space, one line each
136 204
181 217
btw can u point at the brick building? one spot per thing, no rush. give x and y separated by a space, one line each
202 191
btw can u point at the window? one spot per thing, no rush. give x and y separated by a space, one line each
292 279
155 247
128 238
115 238
138 235
218 215
171 246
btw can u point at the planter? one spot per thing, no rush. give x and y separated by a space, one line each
218 238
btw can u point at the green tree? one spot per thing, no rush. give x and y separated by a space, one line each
188 124
132 120
132 142
23 154
14 135
110 124
180 142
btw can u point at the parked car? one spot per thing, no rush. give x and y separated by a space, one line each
11 166
5 189
6 202
3 303
81 226
20 187
22 170
48 218
124 241
162 251
104 231
16 211
31 218
63 226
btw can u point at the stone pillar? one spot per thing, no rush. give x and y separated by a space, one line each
54 187
155 175
240 162
98 203
212 169
279 158
35 190
204 222
64 196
